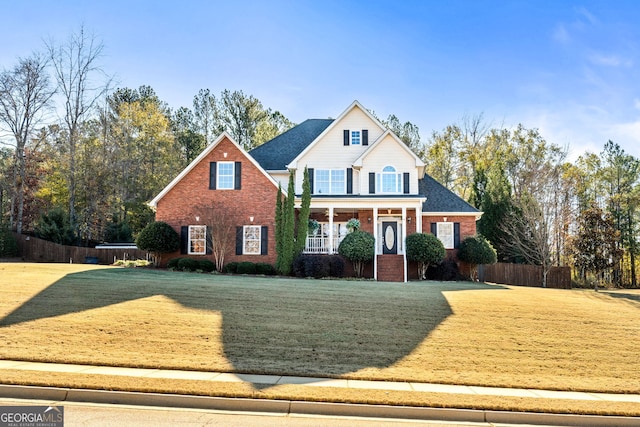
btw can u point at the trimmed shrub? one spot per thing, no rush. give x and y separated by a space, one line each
359 248
158 238
206 265
446 271
265 268
173 263
298 266
188 264
336 266
476 250
231 268
425 249
246 268
318 266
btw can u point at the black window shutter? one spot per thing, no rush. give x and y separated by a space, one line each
239 240
184 239
405 182
212 176
456 235
209 241
365 137
238 175
434 228
345 137
264 240
310 171
349 181
372 183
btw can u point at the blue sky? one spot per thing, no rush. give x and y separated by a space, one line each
569 68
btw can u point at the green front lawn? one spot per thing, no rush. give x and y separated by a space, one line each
445 332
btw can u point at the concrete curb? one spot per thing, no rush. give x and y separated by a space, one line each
309 408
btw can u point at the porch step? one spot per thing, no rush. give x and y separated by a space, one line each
390 268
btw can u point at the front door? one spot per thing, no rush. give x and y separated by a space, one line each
389 237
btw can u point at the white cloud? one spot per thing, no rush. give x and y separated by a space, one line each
610 60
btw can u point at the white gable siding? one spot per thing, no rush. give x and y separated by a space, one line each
388 153
331 153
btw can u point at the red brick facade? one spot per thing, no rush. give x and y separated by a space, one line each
190 200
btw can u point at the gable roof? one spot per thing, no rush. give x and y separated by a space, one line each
441 199
205 152
354 104
418 160
278 152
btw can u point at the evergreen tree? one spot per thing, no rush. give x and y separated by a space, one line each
288 236
279 230
303 215
496 206
595 248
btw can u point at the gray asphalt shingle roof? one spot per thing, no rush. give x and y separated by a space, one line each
281 150
440 198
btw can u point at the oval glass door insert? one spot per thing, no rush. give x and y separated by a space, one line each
389 237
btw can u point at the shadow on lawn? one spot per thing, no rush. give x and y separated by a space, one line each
280 329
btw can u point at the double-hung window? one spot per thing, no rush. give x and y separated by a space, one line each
355 137
197 240
226 175
251 239
445 233
329 181
389 181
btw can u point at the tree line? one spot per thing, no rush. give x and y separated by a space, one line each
81 158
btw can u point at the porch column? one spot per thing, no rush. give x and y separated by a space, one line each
419 219
375 243
404 245
330 244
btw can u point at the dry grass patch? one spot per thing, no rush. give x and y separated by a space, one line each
324 394
459 333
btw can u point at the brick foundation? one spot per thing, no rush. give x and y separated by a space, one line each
390 268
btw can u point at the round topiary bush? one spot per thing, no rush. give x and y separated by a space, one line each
158 238
425 249
474 251
359 248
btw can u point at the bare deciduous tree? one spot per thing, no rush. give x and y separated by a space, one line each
221 228
75 64
25 93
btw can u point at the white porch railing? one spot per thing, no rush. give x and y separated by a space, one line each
320 244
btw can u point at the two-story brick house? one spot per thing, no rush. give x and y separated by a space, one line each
357 168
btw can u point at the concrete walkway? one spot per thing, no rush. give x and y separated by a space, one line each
160 400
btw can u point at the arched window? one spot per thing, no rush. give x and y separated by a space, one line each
389 181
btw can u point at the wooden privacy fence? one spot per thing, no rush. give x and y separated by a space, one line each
38 250
524 275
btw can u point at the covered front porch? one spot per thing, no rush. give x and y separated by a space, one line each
389 221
